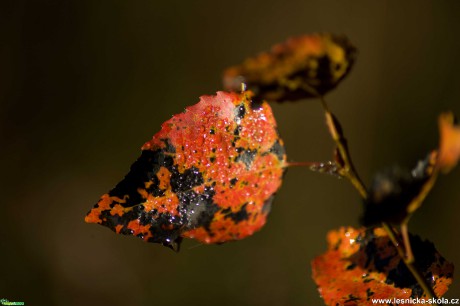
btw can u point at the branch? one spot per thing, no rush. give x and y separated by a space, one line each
348 171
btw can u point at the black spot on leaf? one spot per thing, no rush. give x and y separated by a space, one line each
185 181
240 112
246 157
278 150
143 170
233 181
238 216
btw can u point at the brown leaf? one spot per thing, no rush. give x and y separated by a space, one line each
306 66
393 192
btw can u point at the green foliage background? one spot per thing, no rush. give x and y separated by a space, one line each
83 84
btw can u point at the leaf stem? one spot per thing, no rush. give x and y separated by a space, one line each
302 164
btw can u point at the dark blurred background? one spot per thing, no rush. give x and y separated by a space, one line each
83 84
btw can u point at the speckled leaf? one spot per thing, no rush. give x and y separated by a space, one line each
361 265
302 67
209 174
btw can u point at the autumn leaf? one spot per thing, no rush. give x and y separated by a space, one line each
362 264
449 147
209 174
302 67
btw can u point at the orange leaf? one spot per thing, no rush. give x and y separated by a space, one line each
449 147
302 67
209 174
362 264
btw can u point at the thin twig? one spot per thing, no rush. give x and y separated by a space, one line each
406 240
348 168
